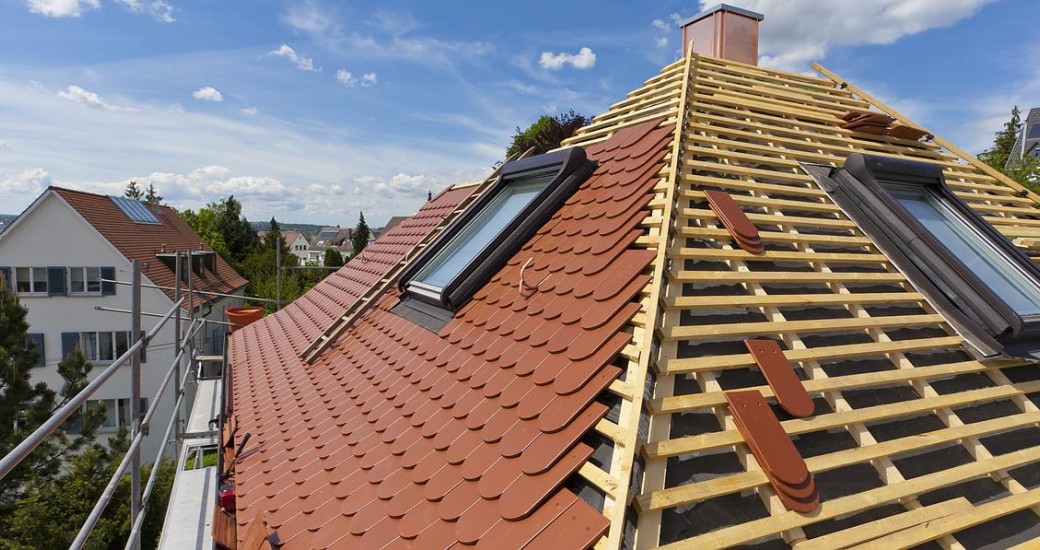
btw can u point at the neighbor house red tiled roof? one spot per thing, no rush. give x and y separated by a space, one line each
401 436
139 241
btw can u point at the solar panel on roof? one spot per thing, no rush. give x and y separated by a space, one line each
135 210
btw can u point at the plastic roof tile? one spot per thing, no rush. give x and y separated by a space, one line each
414 423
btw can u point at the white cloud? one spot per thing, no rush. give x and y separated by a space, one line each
250 111
90 99
302 63
62 8
369 79
797 32
307 17
208 93
31 181
158 9
584 59
345 78
665 29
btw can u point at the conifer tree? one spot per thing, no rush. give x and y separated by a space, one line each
1004 142
361 235
152 196
133 192
25 406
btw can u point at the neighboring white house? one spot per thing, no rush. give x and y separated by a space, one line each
295 243
56 256
329 237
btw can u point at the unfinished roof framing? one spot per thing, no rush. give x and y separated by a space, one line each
906 426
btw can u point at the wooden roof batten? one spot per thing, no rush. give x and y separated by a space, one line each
848 320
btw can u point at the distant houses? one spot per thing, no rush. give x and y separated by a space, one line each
295 242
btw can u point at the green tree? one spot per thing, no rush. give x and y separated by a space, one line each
223 227
547 133
204 222
152 196
1023 170
1003 142
361 235
234 228
132 191
25 406
333 258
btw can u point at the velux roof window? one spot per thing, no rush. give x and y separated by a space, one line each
985 286
477 245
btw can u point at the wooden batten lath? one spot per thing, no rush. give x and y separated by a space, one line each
661 98
908 425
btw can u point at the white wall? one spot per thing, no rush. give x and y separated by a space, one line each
54 235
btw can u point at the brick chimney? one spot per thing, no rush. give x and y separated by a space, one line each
724 31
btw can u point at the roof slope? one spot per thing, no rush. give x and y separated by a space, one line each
401 434
1027 139
142 242
907 426
398 432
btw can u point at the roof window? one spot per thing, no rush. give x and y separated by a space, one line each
982 283
477 245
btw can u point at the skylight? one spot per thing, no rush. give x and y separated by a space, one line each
135 210
987 289
470 251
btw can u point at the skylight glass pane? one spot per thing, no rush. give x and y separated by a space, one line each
135 210
976 252
1034 132
482 230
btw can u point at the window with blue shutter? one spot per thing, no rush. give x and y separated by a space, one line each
69 343
34 341
55 281
108 274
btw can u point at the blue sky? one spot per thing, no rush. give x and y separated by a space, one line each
311 111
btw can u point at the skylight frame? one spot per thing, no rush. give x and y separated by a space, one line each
864 191
567 169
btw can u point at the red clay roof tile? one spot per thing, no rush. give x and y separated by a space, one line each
464 436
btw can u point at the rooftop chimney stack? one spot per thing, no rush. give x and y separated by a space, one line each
723 31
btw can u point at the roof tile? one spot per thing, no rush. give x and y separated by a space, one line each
460 436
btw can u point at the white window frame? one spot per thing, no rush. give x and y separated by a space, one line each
92 350
31 271
85 281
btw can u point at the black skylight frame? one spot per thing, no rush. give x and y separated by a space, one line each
570 166
862 190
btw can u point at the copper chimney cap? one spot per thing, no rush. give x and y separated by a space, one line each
723 31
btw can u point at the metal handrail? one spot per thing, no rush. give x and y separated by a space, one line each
18 454
131 460
106 497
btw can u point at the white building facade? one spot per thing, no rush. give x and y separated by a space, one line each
56 258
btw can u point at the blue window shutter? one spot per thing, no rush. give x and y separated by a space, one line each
69 343
5 272
55 281
36 341
108 289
